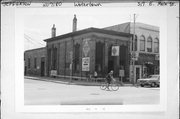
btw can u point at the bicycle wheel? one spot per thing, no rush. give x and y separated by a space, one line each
114 87
103 86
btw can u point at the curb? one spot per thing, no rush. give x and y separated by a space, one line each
63 82
72 83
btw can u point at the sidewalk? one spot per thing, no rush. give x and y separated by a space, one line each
67 81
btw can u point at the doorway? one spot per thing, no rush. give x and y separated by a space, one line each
137 73
42 66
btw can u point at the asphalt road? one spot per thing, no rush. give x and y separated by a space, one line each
49 93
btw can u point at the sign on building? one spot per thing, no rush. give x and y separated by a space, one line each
134 55
86 47
121 73
115 51
53 72
85 63
156 57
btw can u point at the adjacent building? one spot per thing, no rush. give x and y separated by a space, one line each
35 64
146 47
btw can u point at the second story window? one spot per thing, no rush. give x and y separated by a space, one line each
156 45
142 43
149 44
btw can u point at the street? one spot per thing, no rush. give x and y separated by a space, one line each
49 93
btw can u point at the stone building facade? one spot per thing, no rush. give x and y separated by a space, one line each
146 47
35 63
81 53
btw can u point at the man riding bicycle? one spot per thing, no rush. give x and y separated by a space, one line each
109 78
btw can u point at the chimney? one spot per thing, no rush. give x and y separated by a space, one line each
53 34
74 23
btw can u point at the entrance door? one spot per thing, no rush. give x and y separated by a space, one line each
42 66
137 73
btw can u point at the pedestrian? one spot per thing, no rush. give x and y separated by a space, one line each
95 75
109 78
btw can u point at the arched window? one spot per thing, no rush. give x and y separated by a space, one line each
149 44
142 43
156 45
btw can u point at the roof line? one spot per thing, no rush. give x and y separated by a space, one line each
35 49
91 29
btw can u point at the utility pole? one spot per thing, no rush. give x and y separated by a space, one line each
133 51
71 65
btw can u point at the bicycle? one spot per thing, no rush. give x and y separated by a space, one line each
112 86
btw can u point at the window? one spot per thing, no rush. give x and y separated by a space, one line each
35 62
142 43
99 57
29 63
77 55
54 58
156 45
149 44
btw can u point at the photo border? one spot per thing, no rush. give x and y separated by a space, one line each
19 84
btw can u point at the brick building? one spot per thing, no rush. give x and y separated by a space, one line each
81 53
146 47
35 62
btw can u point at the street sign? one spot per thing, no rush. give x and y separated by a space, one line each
134 55
121 73
85 63
115 50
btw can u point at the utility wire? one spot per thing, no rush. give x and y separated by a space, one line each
31 39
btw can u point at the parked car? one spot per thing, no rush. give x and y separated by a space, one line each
152 80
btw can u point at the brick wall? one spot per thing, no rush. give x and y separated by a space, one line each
32 54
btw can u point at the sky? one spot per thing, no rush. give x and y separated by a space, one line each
38 22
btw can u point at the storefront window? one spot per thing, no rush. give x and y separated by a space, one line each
156 45
142 43
149 44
